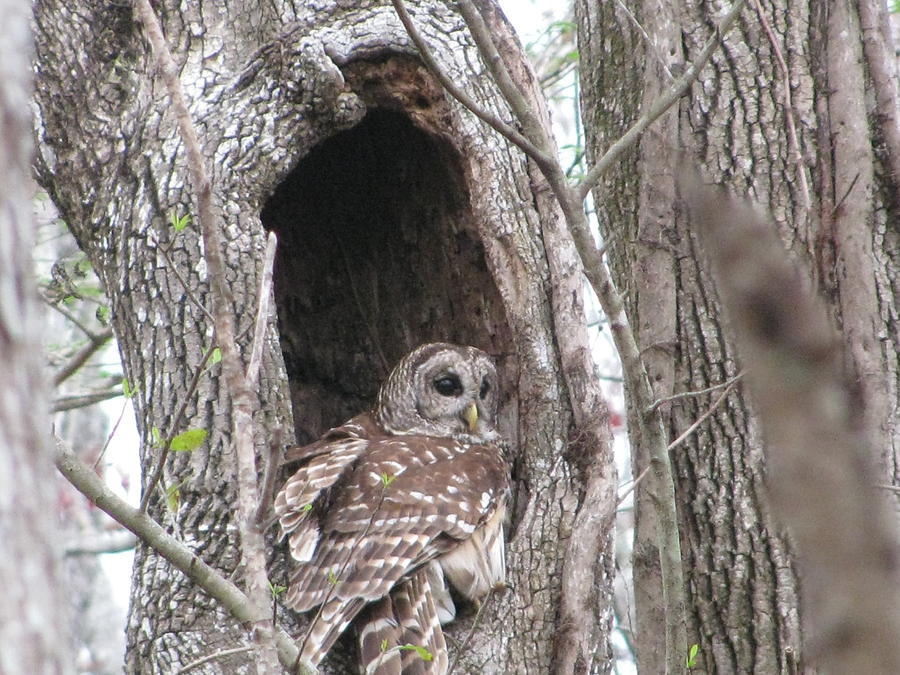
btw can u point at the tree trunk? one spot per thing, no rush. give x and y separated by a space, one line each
821 160
33 626
401 220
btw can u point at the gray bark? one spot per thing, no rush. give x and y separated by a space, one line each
811 414
821 166
33 626
401 220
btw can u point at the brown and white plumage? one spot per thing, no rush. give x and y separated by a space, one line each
387 505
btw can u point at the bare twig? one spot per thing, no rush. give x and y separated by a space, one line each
676 91
699 392
151 533
73 402
634 484
465 643
846 194
106 542
532 128
650 43
788 106
95 342
221 654
270 475
881 67
700 420
252 543
173 427
485 116
184 284
112 432
70 317
262 310
373 307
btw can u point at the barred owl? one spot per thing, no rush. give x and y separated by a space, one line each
391 505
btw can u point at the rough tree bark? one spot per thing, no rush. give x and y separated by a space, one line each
401 219
33 626
795 113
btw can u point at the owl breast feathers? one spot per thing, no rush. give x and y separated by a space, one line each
387 507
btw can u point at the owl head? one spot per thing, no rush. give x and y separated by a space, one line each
442 390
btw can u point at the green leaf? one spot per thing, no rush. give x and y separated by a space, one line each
188 440
423 653
129 392
173 498
276 589
386 479
179 222
563 26
332 578
156 436
102 314
692 655
307 507
216 356
384 645
81 267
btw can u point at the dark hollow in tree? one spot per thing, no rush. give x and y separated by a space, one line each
378 252
376 255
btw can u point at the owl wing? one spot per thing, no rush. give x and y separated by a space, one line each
322 463
384 507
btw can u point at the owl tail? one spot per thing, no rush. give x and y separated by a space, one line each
327 625
401 633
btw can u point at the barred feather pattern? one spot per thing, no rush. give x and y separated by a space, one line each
376 517
401 633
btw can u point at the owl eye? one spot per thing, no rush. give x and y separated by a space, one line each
485 388
448 385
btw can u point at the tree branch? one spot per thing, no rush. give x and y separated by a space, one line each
184 284
105 542
676 91
467 101
75 401
95 342
152 534
68 315
788 106
881 65
690 394
221 654
262 310
709 411
532 128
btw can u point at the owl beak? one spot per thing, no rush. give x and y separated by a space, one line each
470 415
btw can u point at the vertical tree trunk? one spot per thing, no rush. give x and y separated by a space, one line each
401 219
32 619
782 113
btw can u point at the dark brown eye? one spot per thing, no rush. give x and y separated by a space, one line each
485 388
448 385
